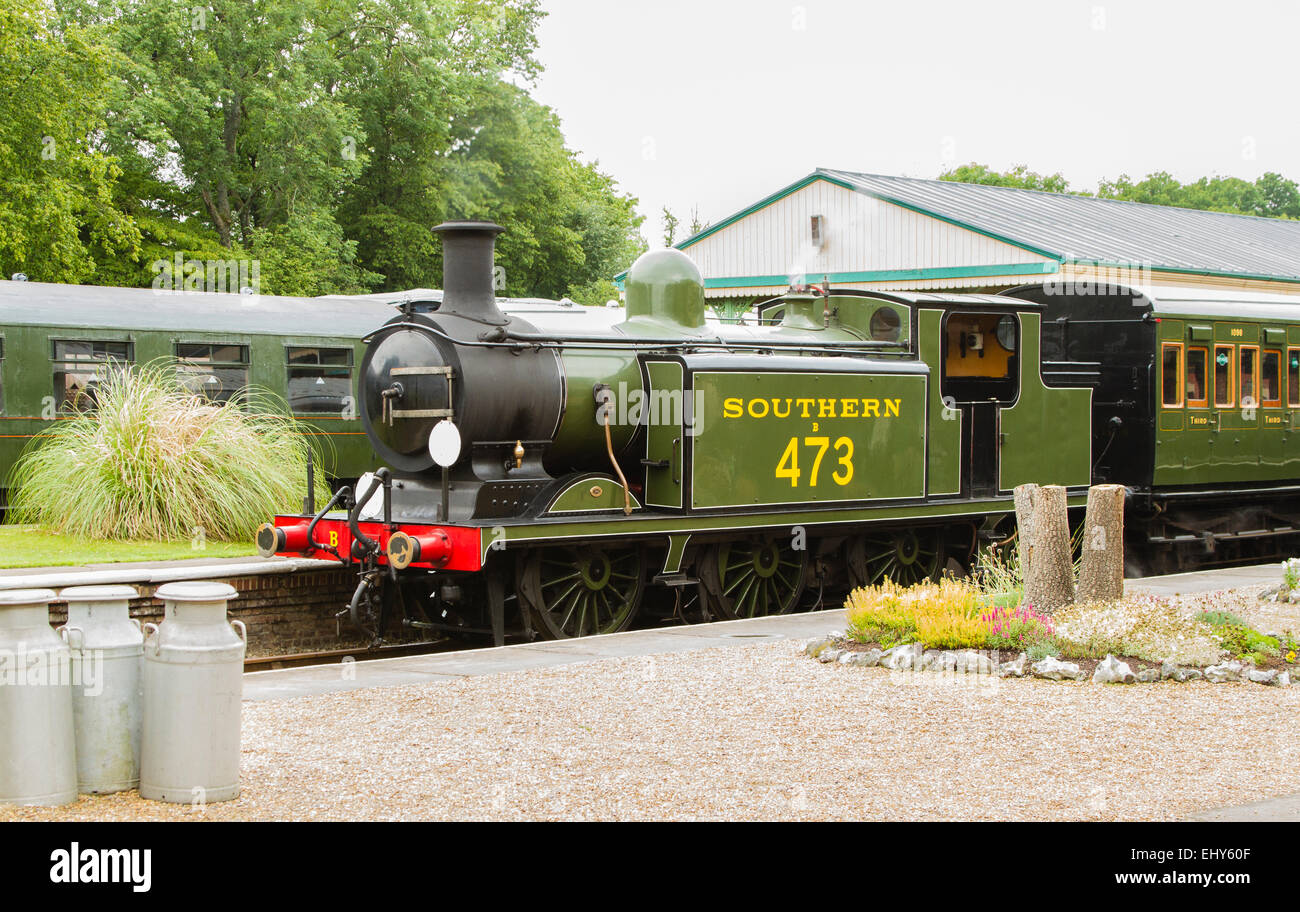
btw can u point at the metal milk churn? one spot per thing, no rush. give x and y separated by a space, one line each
106 649
38 762
193 683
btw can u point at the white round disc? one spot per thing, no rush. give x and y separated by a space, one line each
444 443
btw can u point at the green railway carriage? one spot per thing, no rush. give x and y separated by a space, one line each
55 340
657 458
1197 412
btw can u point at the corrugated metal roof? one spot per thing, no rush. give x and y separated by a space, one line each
1087 229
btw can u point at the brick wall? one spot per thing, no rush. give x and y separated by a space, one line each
284 613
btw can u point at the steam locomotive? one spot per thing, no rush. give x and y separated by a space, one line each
554 472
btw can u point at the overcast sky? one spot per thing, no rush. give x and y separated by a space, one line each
716 103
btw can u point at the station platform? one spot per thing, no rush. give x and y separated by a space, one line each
155 573
283 684
287 683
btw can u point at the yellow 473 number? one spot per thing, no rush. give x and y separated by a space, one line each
789 465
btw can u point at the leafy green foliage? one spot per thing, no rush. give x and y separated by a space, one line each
56 181
1240 639
324 139
1019 176
1272 195
154 462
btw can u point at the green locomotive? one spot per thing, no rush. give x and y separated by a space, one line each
560 475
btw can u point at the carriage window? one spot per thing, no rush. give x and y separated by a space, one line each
1171 381
79 369
320 380
1270 380
1223 375
1196 395
1249 388
1293 377
214 371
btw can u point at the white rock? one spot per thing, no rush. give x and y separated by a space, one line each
1053 669
1284 679
1111 670
1015 668
867 659
1184 675
827 656
968 661
1168 670
1223 673
904 658
1148 675
816 647
1262 677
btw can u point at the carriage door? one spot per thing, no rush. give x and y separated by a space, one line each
981 375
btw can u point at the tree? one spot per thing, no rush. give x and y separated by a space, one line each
1018 176
670 227
566 224
1271 195
56 179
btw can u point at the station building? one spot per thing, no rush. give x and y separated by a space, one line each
871 231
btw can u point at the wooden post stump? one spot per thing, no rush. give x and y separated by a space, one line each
1047 564
1102 577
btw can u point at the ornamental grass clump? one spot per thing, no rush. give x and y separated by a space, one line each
154 462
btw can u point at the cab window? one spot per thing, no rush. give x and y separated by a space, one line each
1171 357
1270 379
1223 376
1197 359
981 360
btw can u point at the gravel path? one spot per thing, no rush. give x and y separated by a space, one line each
750 732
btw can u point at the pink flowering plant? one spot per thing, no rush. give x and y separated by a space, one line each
1019 628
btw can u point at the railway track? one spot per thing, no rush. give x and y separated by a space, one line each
338 656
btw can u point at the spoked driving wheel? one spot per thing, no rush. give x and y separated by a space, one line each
904 556
573 592
749 579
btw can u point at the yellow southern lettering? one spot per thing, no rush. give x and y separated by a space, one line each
870 408
732 408
776 408
892 407
825 408
848 408
804 405
753 408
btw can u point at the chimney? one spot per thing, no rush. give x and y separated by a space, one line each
468 271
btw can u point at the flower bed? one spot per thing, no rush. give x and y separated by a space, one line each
951 624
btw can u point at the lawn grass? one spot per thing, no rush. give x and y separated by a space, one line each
27 546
